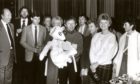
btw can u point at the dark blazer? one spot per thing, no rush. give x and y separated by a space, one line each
17 22
85 62
85 30
27 41
5 45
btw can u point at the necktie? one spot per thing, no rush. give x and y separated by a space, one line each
35 36
10 36
23 24
126 42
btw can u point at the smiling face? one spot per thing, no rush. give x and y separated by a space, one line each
70 25
127 27
104 24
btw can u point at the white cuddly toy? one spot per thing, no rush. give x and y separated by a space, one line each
61 52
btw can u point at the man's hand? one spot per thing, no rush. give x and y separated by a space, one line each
19 30
84 72
37 50
93 67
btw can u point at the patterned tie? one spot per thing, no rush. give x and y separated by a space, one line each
23 24
10 36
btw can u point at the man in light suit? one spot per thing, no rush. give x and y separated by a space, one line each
7 47
33 40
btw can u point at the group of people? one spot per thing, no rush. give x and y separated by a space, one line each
101 53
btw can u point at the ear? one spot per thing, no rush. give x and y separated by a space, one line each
1 16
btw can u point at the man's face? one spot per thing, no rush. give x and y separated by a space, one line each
127 27
104 24
6 16
56 23
70 25
47 22
35 20
24 13
82 20
92 27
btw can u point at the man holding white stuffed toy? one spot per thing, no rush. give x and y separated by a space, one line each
68 73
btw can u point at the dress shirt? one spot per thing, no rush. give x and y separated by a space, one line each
82 29
26 22
103 48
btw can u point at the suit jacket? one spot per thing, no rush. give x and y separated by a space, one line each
85 31
17 23
5 45
85 62
27 41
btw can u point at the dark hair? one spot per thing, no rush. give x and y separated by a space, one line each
47 16
104 16
35 13
131 21
86 18
24 8
71 18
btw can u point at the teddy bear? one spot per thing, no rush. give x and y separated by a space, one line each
61 51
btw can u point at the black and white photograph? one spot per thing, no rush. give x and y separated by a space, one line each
69 41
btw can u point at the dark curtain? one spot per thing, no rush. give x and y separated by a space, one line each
74 8
42 6
125 8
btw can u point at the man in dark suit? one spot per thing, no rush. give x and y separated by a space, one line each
82 26
19 24
7 47
33 39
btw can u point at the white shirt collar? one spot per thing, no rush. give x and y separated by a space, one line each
4 23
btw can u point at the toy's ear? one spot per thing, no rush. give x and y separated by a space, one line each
63 28
52 31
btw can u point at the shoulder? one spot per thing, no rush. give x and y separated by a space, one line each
11 24
42 27
78 34
28 27
112 35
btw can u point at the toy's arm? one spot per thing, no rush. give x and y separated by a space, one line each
45 50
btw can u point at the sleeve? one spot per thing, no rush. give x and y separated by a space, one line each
45 51
23 41
108 50
79 46
92 50
138 46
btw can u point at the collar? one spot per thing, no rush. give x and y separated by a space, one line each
26 19
3 22
33 26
